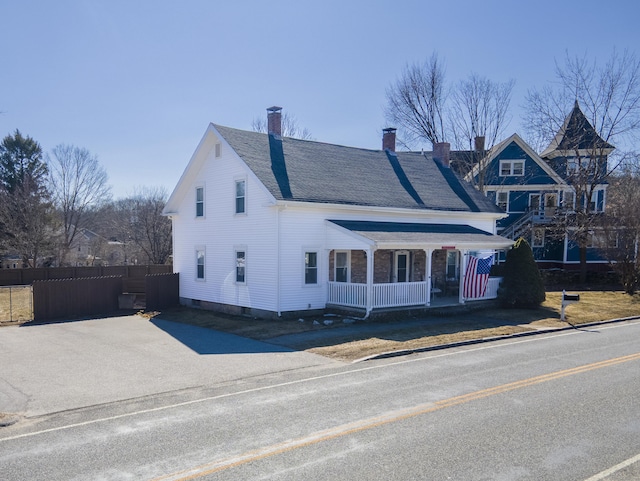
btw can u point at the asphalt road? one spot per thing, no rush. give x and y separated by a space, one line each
561 407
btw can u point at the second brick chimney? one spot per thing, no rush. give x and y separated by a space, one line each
389 139
274 121
441 153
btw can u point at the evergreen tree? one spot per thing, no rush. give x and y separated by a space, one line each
522 285
22 169
26 213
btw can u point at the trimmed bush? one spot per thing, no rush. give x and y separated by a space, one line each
522 284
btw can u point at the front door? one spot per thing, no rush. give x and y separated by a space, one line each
402 266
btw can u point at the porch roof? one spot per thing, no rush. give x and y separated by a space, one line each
421 235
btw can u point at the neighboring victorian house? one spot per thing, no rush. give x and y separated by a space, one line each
538 192
268 225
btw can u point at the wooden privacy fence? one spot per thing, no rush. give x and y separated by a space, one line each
162 290
14 277
69 298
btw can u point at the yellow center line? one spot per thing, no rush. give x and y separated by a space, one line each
387 418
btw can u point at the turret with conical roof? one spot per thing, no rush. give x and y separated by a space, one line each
577 136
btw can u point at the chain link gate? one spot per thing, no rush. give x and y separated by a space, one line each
16 303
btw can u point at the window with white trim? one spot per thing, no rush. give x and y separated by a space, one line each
241 267
502 200
310 267
453 265
575 164
241 195
568 200
537 237
218 150
199 201
341 266
200 258
511 168
534 201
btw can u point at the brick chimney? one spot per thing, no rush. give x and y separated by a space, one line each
479 143
441 153
389 139
274 121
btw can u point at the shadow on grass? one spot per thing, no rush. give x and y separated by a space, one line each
307 335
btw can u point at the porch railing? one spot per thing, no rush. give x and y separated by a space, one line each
348 294
395 294
399 294
492 290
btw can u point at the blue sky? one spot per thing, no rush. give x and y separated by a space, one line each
136 82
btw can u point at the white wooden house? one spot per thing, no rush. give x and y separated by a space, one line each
268 225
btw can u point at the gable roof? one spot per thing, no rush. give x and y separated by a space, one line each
575 133
497 150
310 171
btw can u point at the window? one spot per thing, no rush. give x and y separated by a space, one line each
534 201
342 266
402 266
568 199
452 265
502 200
240 197
241 266
200 264
511 167
550 201
575 164
537 238
199 201
310 267
218 150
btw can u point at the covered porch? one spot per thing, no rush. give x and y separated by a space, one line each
410 265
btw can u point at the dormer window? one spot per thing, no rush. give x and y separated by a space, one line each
511 168
576 164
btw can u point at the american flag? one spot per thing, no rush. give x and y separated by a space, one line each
477 277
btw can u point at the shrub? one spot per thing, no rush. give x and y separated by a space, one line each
522 284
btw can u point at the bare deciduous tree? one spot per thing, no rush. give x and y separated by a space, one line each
479 110
78 184
416 102
608 94
609 97
138 220
621 227
290 127
424 106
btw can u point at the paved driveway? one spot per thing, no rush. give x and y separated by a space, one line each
54 367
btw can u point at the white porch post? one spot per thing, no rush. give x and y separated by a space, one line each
463 274
369 252
427 275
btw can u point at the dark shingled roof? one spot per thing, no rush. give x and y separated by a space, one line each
309 171
419 233
576 133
